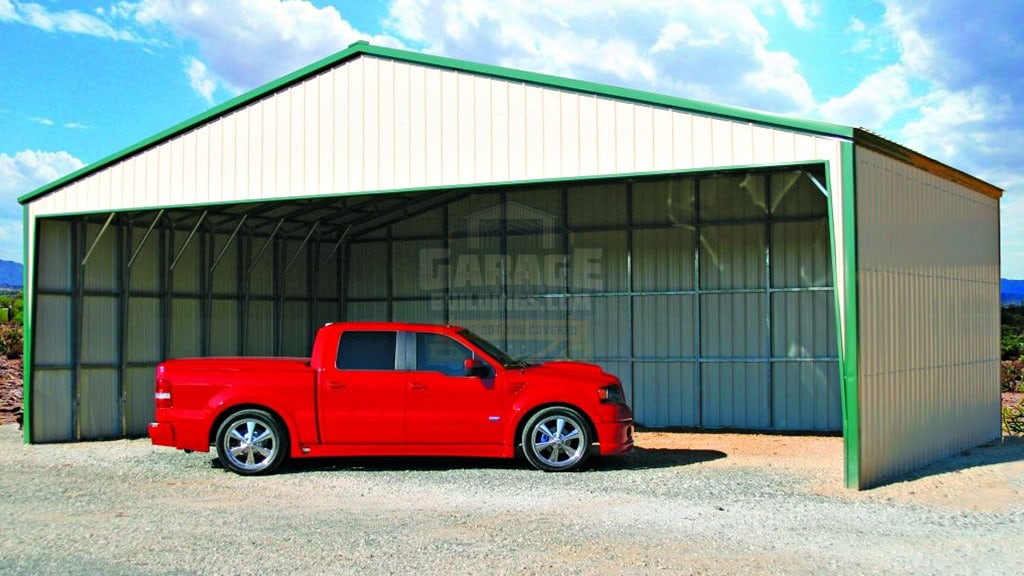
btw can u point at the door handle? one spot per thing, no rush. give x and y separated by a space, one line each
335 385
417 386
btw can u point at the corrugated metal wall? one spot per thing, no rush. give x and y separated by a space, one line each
112 301
373 124
710 297
928 291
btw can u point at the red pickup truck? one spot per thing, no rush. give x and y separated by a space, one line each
389 389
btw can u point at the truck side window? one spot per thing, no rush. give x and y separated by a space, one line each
367 351
439 353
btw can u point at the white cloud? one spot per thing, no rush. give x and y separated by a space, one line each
41 120
200 79
19 175
800 12
245 43
873 102
7 12
691 48
967 70
67 21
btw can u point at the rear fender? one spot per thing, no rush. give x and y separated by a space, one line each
224 404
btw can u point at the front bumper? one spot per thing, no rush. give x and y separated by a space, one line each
615 431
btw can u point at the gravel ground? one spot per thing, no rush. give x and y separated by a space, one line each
683 504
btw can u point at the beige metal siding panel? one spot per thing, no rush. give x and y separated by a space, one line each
662 142
733 325
100 336
99 404
186 323
929 327
665 326
569 144
52 406
52 318
54 256
702 142
666 394
225 338
662 259
805 396
143 337
551 139
473 126
800 255
735 395
683 140
642 152
732 257
372 124
139 408
365 276
516 132
296 330
355 121
259 336
599 327
803 324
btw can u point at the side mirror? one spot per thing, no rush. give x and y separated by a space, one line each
477 368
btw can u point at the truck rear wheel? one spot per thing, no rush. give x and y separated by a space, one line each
251 442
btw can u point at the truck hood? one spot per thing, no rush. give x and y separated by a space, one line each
570 370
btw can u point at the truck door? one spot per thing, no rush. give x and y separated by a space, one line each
444 406
361 398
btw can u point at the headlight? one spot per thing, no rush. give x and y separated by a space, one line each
611 394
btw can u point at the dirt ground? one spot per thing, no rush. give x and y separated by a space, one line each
10 390
969 481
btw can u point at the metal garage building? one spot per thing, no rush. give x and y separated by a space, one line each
735 269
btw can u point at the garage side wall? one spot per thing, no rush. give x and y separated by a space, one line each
928 291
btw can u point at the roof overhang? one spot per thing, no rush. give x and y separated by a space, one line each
862 137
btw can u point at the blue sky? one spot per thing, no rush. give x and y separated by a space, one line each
82 80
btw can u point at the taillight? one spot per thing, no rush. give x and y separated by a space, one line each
163 393
611 394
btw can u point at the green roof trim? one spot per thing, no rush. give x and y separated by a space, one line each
361 48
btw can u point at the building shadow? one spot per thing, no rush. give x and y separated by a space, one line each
1004 451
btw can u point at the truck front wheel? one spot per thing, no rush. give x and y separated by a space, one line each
251 442
556 439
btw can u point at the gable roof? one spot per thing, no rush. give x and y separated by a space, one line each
361 48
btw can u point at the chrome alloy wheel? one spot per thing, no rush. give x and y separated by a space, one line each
558 441
250 444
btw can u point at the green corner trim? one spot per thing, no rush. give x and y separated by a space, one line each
363 48
848 357
27 314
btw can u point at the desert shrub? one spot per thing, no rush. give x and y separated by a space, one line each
1011 376
1013 418
1012 342
11 341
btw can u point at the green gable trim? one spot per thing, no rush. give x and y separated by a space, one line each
363 48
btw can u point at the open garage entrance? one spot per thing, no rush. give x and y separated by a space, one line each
709 294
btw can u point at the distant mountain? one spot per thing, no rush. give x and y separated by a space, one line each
1011 291
11 274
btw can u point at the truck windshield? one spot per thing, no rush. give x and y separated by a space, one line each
490 349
